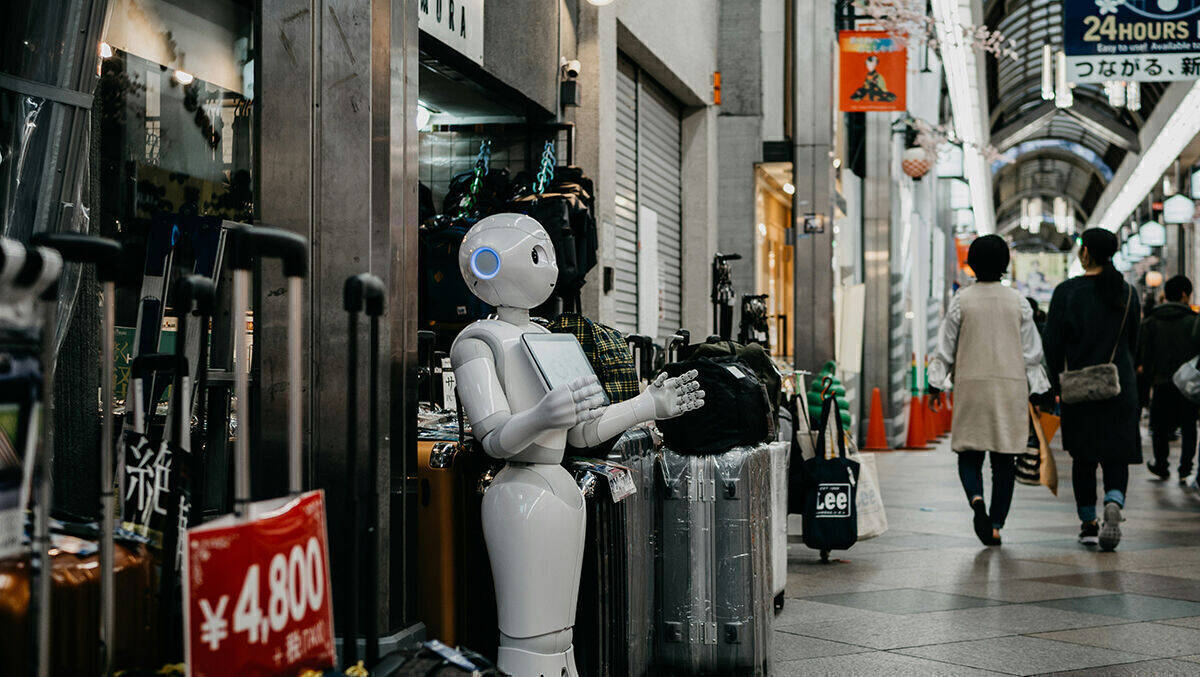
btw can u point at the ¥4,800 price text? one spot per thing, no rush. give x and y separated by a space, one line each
295 585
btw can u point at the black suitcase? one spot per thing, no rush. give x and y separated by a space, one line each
614 616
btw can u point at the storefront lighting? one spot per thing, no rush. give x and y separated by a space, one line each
1060 215
762 229
960 194
1121 263
789 189
950 162
106 50
184 78
1154 279
1153 234
1181 127
600 3
1138 249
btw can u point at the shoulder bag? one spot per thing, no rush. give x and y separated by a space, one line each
1099 381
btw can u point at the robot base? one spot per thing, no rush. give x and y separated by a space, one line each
522 663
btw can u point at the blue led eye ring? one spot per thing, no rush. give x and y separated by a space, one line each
485 263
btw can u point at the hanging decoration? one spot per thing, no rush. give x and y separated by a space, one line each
873 71
908 19
916 162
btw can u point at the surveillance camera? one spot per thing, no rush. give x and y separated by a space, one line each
572 68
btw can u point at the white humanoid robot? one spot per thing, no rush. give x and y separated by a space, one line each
533 512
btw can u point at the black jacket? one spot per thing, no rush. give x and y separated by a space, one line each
1166 341
1082 330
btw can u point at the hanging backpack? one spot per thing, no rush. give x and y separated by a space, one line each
736 410
753 356
606 349
830 519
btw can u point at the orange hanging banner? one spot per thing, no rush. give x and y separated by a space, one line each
873 72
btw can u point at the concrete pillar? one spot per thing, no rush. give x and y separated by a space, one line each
813 41
877 264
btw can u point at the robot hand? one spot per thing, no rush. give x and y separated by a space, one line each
673 396
568 405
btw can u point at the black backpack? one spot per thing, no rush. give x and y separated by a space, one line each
752 355
444 296
736 410
830 518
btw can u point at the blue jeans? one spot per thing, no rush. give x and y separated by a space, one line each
1004 477
1083 478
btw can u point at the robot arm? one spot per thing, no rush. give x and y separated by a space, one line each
502 433
665 398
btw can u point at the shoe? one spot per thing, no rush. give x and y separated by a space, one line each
982 523
1110 531
1183 481
1159 471
1089 534
1194 485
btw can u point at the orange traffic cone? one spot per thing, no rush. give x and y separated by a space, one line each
916 439
876 432
947 413
932 428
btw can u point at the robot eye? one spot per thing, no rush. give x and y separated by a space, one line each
538 254
534 254
485 263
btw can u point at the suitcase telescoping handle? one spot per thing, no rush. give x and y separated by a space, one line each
246 245
196 295
105 255
362 292
38 275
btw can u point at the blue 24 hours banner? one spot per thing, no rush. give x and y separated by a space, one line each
1138 40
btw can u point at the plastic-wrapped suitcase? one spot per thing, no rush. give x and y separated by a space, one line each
685 633
780 453
744 597
614 615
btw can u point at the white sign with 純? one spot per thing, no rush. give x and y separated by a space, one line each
457 23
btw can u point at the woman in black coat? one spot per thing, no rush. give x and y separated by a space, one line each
1094 319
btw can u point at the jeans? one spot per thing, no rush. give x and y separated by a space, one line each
1169 410
1004 477
1083 477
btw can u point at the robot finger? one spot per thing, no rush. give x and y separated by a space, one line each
581 382
586 391
691 386
689 376
660 380
590 403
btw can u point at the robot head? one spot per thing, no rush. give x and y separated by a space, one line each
508 260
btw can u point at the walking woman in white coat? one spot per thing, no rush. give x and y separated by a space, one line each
989 351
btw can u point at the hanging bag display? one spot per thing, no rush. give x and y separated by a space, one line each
1098 382
830 519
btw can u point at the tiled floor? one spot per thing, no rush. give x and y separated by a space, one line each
927 599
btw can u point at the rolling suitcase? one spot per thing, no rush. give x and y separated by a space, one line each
685 633
780 453
613 617
744 600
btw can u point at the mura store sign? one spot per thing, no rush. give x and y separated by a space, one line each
1131 40
457 23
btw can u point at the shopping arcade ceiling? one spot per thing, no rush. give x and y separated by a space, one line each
1050 151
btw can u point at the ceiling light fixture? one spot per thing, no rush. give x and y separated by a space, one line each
1181 127
968 105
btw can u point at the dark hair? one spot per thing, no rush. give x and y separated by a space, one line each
1177 288
1101 245
988 256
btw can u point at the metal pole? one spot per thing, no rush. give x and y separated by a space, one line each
295 369
45 463
107 563
241 391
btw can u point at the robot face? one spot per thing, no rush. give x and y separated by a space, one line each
508 260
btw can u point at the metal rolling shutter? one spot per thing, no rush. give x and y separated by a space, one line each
625 280
660 154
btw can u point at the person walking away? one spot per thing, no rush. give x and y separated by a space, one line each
1166 344
1093 320
989 350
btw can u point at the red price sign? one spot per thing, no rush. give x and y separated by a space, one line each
256 593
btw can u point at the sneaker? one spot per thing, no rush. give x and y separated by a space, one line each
1110 532
1159 471
1089 534
1194 485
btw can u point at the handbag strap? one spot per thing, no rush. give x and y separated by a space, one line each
829 406
1124 317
